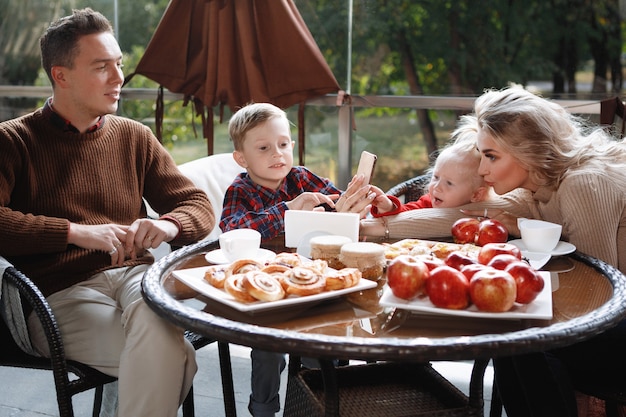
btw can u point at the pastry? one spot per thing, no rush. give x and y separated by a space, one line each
216 275
302 280
263 286
343 278
234 286
368 257
328 248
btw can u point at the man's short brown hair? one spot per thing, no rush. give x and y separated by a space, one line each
59 44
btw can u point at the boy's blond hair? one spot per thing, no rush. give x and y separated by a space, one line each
249 117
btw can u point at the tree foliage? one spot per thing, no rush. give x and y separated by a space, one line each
21 25
462 46
399 47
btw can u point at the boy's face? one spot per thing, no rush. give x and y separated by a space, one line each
267 153
452 184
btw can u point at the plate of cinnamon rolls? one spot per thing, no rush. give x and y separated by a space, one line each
250 285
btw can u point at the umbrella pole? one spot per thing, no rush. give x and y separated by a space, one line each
301 108
346 112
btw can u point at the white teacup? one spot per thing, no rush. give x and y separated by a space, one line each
539 235
240 244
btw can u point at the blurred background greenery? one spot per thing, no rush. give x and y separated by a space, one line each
565 48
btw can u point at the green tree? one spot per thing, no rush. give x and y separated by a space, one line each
137 19
605 43
21 26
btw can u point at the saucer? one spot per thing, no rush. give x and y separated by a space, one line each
562 248
217 256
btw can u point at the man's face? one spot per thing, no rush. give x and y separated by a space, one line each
94 83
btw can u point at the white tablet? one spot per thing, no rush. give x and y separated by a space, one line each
301 226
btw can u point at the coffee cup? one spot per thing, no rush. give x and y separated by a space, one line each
240 244
539 235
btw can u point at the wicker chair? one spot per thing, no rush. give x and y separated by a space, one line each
12 355
613 115
86 377
411 189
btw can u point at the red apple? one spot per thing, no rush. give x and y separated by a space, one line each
448 288
406 276
471 269
491 231
431 261
458 259
493 290
465 230
529 282
502 260
490 250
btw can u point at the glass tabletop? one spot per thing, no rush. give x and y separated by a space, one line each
587 299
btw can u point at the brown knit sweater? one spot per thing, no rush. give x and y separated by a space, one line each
50 177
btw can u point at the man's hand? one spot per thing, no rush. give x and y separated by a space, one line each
148 233
108 238
122 242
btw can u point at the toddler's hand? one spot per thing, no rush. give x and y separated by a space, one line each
381 201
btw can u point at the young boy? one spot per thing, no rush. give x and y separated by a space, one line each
258 199
454 181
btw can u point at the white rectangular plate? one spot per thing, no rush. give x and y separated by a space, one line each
194 278
540 308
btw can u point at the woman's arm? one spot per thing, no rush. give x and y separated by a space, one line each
431 223
591 208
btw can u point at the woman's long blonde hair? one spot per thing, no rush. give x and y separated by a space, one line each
545 138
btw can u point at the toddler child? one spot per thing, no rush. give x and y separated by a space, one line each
454 181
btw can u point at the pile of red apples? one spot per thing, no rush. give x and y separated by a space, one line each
493 281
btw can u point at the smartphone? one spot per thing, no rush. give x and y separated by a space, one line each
366 165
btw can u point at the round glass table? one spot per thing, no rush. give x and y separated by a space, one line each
588 297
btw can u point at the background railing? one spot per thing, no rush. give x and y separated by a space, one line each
343 166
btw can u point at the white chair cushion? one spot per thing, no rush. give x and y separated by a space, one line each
213 174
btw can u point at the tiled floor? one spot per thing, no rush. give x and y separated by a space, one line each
30 393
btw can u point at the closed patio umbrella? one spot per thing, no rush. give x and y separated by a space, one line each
232 52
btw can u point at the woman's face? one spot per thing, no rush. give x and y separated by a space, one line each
500 169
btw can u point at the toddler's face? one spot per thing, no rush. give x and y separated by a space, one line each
451 185
268 152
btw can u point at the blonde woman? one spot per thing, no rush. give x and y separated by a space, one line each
576 177
545 163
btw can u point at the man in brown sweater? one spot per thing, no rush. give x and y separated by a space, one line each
72 217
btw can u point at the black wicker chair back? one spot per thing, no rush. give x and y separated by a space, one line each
411 189
613 115
11 355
